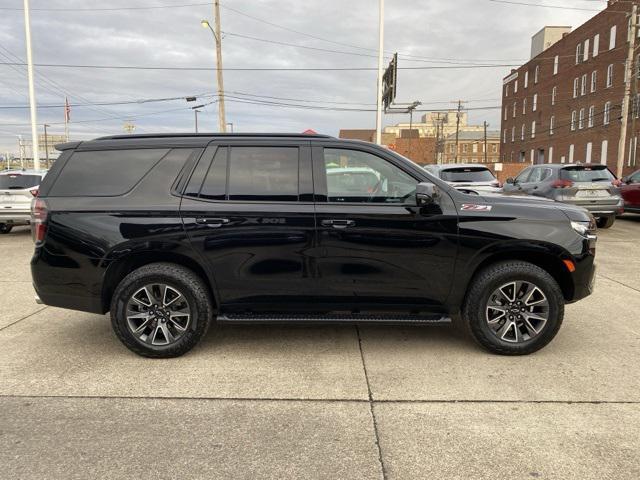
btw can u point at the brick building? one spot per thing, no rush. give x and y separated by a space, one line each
565 104
421 150
471 147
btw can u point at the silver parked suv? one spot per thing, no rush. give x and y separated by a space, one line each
593 187
468 177
17 189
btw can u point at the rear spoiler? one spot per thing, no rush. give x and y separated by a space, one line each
67 146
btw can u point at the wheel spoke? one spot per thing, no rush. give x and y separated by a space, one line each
493 320
529 301
509 291
531 330
178 296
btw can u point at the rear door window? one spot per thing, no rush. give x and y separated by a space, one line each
18 181
582 173
467 174
105 173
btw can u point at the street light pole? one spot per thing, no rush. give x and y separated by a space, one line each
46 145
32 94
222 124
380 74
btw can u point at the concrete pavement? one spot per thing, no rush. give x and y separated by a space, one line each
322 402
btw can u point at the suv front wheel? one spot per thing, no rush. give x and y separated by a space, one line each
513 308
161 310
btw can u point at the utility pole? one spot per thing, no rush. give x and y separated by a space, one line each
46 145
222 123
627 92
411 108
485 142
32 94
380 73
21 150
458 115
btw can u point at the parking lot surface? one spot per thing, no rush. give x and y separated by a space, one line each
322 402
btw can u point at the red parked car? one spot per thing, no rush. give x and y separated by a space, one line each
630 190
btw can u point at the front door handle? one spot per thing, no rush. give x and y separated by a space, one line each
212 222
340 224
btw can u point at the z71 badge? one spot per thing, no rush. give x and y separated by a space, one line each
472 207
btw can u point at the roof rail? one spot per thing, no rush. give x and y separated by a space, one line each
211 135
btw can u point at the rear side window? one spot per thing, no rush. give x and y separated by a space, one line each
467 175
587 174
18 181
104 173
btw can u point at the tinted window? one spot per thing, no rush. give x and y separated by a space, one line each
197 177
18 181
105 173
466 174
215 185
263 173
524 176
586 174
354 176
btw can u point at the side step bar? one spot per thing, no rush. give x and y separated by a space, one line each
335 318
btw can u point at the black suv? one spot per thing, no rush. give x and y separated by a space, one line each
174 233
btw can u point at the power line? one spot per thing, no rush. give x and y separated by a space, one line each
106 9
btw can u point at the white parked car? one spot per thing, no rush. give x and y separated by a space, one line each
17 189
472 176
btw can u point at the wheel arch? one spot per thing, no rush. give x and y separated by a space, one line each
123 266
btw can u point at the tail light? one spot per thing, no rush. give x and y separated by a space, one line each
39 213
562 184
34 192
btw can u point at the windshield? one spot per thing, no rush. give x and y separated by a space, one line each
467 174
587 174
18 181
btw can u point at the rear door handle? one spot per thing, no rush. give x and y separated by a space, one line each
340 224
212 222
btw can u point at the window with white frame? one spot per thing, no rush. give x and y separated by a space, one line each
552 124
534 107
522 132
554 94
576 86
536 74
581 119
609 75
533 129
524 106
515 106
506 90
612 37
515 87
583 85
586 50
594 81
596 45
556 64
574 115
578 53
513 134
504 136
505 113
526 79
592 114
607 113
572 149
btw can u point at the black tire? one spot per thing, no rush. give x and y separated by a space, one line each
5 228
195 293
605 222
485 284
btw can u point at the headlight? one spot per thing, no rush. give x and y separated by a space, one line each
581 228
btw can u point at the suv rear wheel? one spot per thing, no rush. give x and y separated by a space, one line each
513 308
161 310
605 222
5 228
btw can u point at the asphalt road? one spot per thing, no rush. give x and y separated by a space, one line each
322 402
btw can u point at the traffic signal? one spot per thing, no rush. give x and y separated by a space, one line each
389 83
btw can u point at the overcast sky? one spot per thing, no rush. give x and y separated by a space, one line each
437 31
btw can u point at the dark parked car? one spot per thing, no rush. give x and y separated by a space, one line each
593 187
630 190
175 233
469 177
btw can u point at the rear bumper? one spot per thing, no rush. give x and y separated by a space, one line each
8 215
597 209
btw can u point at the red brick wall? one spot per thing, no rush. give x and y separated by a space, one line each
420 150
563 137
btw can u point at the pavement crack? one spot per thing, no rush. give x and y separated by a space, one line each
23 318
371 407
618 282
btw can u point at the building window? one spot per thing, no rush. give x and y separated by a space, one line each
504 136
506 90
533 129
583 85
494 148
574 114
603 152
592 114
578 53
594 81
596 45
589 152
513 134
556 64
609 76
572 149
612 37
522 132
552 124
465 148
524 106
581 119
576 85
536 74
526 79
554 94
550 154
474 148
534 107
607 113
515 106
505 114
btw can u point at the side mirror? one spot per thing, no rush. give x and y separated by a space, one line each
626 180
511 181
426 194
